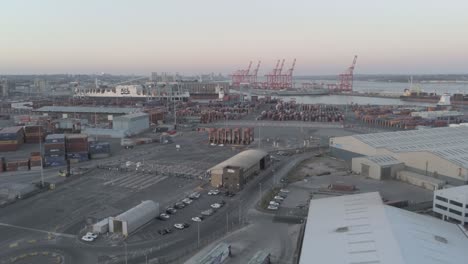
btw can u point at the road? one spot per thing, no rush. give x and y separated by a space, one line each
173 245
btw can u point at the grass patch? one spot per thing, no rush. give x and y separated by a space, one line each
268 197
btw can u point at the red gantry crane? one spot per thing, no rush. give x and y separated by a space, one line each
346 79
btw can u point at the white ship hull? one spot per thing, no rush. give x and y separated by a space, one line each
129 91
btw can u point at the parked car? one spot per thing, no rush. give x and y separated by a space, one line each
272 207
194 196
179 205
87 238
171 210
165 231
213 192
277 197
93 235
196 219
284 190
186 225
164 216
274 203
216 206
207 212
229 194
222 202
179 226
187 201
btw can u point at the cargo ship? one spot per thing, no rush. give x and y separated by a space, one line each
293 92
415 96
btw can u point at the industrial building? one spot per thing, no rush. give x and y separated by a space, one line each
361 229
92 114
381 167
438 152
132 124
134 218
233 173
451 204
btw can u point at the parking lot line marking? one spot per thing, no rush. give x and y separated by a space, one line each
37 230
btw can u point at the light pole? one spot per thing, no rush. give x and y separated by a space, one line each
198 235
260 185
42 165
126 256
227 222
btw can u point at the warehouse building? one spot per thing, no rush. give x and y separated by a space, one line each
451 204
383 167
134 218
131 124
233 173
92 114
361 229
440 152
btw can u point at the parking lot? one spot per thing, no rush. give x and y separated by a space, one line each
184 215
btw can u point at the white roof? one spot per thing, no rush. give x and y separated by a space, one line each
360 229
383 160
87 109
459 193
449 143
245 159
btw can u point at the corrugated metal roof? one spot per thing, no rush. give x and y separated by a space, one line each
135 214
10 130
383 160
87 109
449 143
131 116
245 159
361 229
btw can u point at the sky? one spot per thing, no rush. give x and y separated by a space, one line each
195 36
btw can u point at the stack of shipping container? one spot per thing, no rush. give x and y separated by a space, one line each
17 165
54 150
11 138
236 136
77 147
34 134
99 150
35 161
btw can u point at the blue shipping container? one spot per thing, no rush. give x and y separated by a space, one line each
81 156
53 158
55 163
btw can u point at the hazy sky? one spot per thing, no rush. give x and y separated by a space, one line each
140 36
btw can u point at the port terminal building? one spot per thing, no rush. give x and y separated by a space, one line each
359 228
436 153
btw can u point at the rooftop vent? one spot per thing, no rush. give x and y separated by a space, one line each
342 229
440 239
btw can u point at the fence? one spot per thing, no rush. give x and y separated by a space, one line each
153 255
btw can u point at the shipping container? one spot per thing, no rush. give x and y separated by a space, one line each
55 138
99 155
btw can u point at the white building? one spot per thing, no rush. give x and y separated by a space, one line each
438 152
381 167
360 229
134 218
131 124
451 204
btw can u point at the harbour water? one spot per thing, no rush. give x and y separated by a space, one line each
348 99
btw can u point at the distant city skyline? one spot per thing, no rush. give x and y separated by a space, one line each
192 37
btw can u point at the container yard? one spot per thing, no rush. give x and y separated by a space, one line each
406 118
290 111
